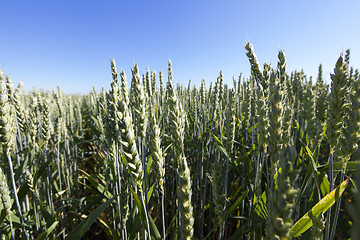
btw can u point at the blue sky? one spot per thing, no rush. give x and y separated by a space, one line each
70 43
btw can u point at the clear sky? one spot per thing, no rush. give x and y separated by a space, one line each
70 42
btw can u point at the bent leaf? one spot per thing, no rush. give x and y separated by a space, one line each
322 206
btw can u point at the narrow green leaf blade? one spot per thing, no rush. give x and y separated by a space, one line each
139 206
155 234
236 204
81 229
322 206
150 192
218 141
96 184
45 234
229 211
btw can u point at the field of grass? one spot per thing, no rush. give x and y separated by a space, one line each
271 156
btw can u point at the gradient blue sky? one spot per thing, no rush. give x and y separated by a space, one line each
70 42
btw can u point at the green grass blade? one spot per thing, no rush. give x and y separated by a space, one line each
155 234
81 229
230 211
133 223
322 206
304 185
260 207
150 192
139 206
351 166
236 204
153 229
96 184
45 234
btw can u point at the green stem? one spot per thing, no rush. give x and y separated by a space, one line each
146 214
163 214
331 187
16 196
12 231
337 208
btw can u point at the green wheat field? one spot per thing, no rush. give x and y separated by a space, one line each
272 156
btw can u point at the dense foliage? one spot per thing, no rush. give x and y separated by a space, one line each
274 156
